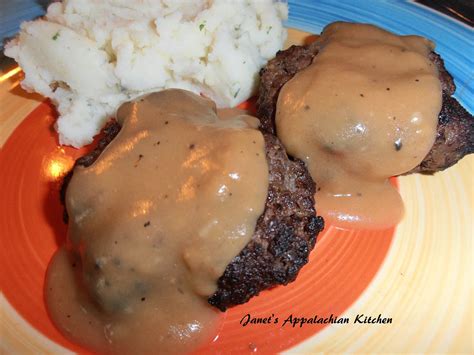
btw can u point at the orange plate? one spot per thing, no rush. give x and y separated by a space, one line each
31 228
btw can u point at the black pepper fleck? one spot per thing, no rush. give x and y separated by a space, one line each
398 144
307 108
361 95
417 80
143 299
146 224
166 122
388 89
69 316
140 156
191 146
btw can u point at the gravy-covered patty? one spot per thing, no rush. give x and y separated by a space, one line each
218 262
360 105
455 132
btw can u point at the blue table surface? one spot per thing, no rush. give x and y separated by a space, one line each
13 12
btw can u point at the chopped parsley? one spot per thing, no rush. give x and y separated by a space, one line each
56 36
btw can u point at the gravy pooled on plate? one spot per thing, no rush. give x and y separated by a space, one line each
153 223
366 109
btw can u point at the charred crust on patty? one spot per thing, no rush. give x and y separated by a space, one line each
274 75
455 131
454 138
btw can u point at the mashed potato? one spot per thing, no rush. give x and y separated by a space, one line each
89 56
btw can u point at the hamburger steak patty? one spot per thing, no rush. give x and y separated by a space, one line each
283 238
455 132
284 235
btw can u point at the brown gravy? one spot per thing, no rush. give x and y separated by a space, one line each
365 110
153 223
